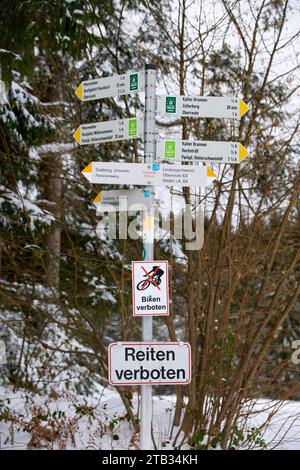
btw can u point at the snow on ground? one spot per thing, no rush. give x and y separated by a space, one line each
283 432
77 422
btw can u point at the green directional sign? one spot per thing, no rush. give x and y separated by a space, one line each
132 127
171 104
170 148
133 82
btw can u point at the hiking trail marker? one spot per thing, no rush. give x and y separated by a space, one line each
200 151
201 106
108 87
109 131
150 288
149 363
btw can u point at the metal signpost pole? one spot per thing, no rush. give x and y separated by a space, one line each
148 252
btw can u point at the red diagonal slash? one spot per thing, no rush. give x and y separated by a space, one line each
150 278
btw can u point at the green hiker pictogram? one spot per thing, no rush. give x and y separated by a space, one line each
132 127
133 82
170 148
171 104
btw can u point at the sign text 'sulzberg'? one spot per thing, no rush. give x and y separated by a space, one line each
144 174
145 363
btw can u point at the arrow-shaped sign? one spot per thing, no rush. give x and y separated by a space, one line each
116 85
200 151
144 174
123 200
201 106
109 131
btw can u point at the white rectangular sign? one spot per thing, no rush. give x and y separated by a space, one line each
145 174
115 85
132 363
123 200
200 151
109 131
201 106
150 288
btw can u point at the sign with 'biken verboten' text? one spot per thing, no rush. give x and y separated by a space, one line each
150 288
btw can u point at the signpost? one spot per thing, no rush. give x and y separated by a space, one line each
142 174
200 151
149 363
148 246
123 200
201 106
108 87
150 288
109 131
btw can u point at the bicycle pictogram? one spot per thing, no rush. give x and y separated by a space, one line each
151 279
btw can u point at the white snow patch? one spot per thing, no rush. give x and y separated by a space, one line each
100 422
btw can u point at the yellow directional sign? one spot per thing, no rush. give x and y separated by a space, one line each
79 91
88 169
243 108
242 152
98 198
210 173
77 135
